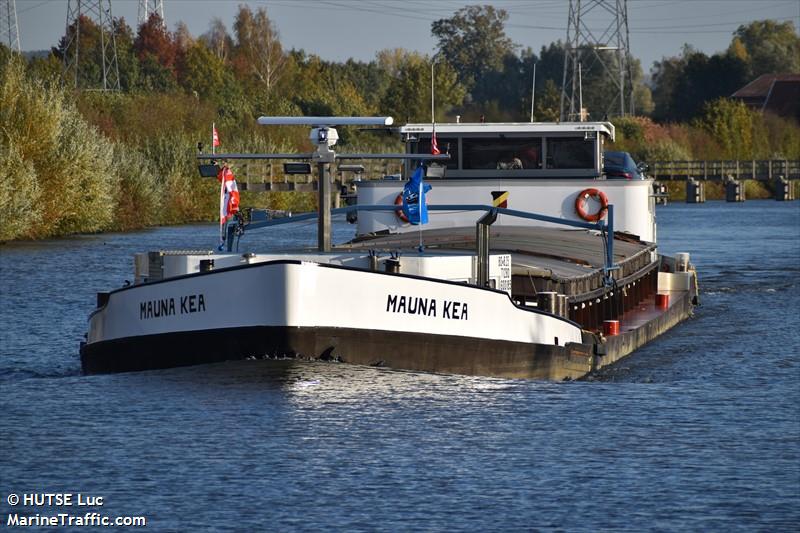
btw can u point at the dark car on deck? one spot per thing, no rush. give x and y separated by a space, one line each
621 166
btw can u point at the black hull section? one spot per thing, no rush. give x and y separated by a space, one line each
409 351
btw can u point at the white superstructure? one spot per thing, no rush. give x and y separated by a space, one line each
542 168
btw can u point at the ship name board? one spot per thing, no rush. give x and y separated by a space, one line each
183 305
415 305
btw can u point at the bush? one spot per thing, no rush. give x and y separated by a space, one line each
19 195
138 197
66 162
662 150
185 195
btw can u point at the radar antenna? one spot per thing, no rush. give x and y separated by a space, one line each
324 136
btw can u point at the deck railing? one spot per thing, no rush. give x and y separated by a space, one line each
268 174
766 170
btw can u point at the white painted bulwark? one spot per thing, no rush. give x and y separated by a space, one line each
444 265
633 212
306 294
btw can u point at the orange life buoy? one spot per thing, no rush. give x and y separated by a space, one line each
580 204
399 201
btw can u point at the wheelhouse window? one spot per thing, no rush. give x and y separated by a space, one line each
447 145
502 153
570 153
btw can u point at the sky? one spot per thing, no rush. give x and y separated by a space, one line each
337 30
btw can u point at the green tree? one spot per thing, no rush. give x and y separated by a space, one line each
409 97
258 56
731 125
90 60
127 61
771 47
504 94
474 42
684 84
202 72
666 74
548 102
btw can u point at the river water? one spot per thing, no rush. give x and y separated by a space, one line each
699 430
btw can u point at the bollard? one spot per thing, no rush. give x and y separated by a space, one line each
563 305
660 193
547 302
392 265
734 190
682 262
610 327
783 189
206 265
695 191
662 301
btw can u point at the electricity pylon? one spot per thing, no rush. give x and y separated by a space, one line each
148 7
98 12
9 30
584 55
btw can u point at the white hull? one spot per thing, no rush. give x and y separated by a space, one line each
310 296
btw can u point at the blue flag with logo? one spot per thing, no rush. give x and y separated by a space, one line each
414 206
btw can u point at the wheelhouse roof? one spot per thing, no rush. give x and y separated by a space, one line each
538 128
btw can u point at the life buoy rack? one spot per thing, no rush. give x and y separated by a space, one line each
580 204
399 212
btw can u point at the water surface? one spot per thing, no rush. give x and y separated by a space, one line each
699 430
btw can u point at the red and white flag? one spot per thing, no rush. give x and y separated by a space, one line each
228 197
434 144
214 136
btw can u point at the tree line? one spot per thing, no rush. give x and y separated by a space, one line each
91 160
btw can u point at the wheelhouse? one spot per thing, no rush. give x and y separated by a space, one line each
514 150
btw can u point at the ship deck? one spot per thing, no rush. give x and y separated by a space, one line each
543 259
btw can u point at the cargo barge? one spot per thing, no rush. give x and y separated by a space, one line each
513 255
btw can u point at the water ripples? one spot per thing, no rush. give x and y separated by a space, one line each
699 430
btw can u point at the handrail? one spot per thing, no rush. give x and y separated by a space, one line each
606 228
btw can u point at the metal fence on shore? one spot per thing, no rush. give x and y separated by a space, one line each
766 170
268 175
